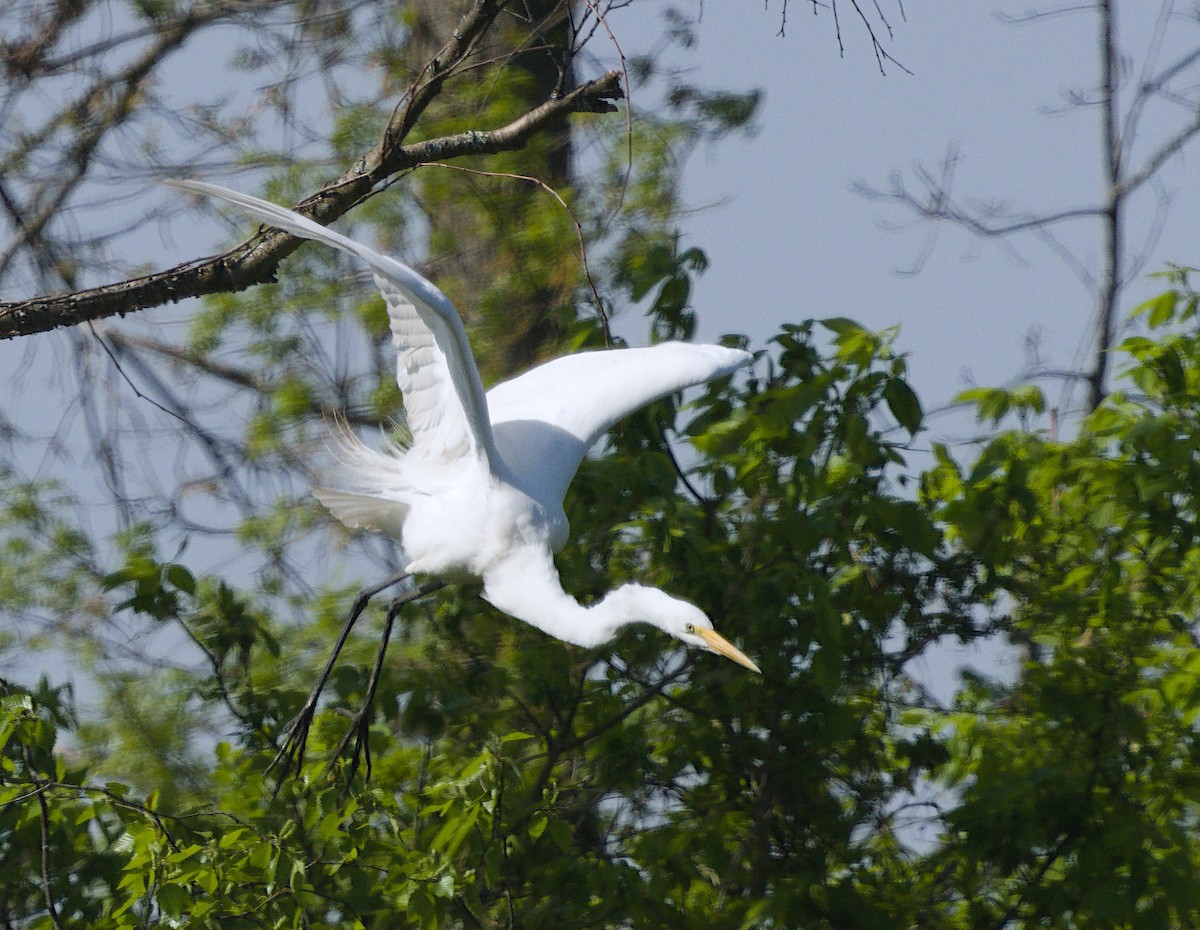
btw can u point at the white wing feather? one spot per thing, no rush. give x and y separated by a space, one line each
443 397
545 420
363 511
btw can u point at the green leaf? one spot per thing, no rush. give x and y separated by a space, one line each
1158 310
903 403
841 326
181 578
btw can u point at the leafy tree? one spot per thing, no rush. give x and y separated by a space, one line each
511 775
1075 786
514 775
516 780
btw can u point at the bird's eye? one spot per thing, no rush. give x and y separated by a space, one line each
691 628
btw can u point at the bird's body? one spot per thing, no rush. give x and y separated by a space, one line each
478 492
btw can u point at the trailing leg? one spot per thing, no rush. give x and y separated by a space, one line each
291 754
361 726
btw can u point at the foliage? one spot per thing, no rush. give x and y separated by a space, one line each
641 788
516 779
519 781
1088 549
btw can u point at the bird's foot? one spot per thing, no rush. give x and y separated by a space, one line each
360 729
291 754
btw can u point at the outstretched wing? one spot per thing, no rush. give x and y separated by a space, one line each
545 420
444 401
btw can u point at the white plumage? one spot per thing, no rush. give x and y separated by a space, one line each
479 492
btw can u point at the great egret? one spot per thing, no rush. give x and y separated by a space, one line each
478 494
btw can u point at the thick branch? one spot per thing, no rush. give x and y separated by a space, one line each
256 260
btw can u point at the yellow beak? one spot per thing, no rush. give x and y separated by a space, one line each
721 646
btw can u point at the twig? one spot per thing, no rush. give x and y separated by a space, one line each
707 503
44 814
625 82
587 271
230 374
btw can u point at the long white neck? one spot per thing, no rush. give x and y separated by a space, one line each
526 586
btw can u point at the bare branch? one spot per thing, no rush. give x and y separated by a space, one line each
255 261
1161 156
1120 121
107 104
936 203
1113 255
1034 16
24 58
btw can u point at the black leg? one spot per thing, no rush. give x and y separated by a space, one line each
361 726
292 752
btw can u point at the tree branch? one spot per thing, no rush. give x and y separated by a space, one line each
103 108
256 260
1113 255
1160 157
937 205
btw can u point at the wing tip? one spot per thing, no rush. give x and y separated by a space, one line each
727 360
737 358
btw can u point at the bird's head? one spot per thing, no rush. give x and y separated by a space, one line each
681 619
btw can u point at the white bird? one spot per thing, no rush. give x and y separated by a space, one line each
478 493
